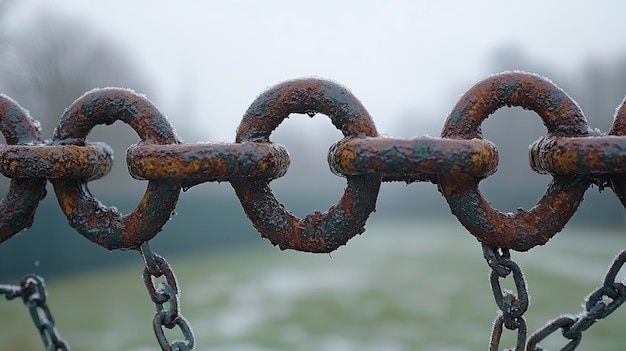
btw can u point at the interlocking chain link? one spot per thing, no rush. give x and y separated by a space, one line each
596 308
573 153
319 231
512 306
562 117
165 293
19 205
32 290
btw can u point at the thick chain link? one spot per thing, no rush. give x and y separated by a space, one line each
573 153
32 290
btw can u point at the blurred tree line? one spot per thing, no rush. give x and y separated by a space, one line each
51 62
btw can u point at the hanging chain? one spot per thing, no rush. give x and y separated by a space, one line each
165 293
596 308
32 290
512 306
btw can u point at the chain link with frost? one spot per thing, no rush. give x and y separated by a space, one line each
573 153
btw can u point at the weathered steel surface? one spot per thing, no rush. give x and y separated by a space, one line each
319 231
579 155
90 162
413 159
105 225
198 163
618 180
562 117
457 161
19 205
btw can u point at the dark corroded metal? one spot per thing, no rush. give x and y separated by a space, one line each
317 232
579 155
496 334
166 294
413 159
200 163
20 203
90 162
512 305
103 225
562 117
32 290
601 303
563 322
618 181
573 154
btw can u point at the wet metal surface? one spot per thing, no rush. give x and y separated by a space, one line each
457 161
90 162
576 155
413 159
562 117
618 181
319 231
200 163
105 225
19 205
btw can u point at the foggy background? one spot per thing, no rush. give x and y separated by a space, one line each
202 64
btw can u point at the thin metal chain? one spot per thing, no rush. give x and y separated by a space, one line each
596 308
512 306
32 290
165 292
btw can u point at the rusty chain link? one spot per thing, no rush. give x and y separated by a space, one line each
574 155
319 231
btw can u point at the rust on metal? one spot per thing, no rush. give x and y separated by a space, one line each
573 154
413 159
105 225
305 96
618 181
90 162
559 113
20 203
457 161
562 117
319 231
579 155
198 163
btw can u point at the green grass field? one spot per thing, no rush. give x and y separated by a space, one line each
399 286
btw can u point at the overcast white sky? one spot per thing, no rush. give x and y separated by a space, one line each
396 56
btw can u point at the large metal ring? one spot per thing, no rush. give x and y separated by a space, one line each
20 203
105 225
618 180
562 117
317 232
